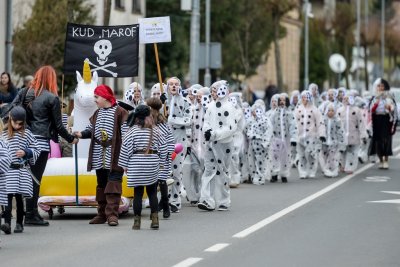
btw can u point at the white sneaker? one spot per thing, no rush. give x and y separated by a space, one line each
385 165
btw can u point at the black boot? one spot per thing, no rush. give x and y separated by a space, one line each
34 218
284 180
166 211
274 179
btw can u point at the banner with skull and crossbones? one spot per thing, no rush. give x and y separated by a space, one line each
112 51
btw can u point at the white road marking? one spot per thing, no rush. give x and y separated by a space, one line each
299 204
388 201
188 262
376 179
217 247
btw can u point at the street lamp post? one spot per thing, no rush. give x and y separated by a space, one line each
207 75
358 56
382 35
195 42
306 6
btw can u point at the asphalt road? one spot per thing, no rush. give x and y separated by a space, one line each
313 222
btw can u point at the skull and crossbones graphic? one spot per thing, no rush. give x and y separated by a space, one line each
103 49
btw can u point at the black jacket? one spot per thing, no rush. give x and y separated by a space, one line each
43 114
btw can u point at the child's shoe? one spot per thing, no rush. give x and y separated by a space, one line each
18 228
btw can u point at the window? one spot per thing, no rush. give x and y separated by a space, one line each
136 6
120 4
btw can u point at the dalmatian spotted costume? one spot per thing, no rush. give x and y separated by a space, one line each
311 128
284 134
315 99
332 99
180 117
260 135
238 141
193 166
355 133
220 125
329 156
294 102
247 155
129 95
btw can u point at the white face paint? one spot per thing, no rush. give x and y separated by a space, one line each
259 113
233 100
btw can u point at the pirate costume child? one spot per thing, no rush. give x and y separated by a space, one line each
106 128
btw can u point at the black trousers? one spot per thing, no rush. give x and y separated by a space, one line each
138 197
105 175
20 208
37 170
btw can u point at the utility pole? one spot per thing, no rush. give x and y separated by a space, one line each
9 37
358 29
207 75
306 12
194 42
382 36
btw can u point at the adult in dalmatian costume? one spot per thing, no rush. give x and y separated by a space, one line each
193 166
332 99
311 129
259 134
238 141
179 118
247 155
315 99
220 124
134 95
284 136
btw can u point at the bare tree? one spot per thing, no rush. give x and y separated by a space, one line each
369 37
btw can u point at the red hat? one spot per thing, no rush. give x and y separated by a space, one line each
105 92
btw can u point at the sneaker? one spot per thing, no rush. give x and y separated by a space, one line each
174 208
222 208
380 165
194 203
234 185
18 228
204 206
274 179
6 228
385 165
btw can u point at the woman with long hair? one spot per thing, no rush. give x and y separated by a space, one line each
7 91
45 121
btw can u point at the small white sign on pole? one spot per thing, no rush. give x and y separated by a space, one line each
154 30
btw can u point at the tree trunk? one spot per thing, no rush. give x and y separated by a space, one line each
278 66
366 67
346 56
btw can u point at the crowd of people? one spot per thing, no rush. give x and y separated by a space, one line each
226 142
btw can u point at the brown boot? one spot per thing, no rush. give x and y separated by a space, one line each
113 196
154 221
136 222
100 218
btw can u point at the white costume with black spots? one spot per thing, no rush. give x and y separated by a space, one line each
238 141
259 134
284 132
193 166
180 117
310 127
355 133
220 125
5 161
329 156
19 181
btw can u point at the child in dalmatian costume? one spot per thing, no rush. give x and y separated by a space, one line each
332 98
134 95
247 155
311 130
284 136
355 133
315 99
362 104
274 105
238 141
259 134
193 166
179 118
294 102
220 125
329 155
